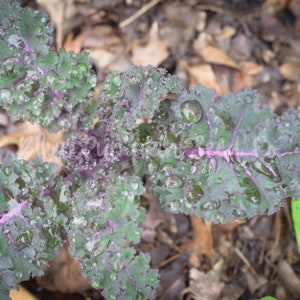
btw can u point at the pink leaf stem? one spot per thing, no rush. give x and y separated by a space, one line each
235 132
14 212
226 154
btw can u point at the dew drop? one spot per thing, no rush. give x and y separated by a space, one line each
172 181
248 99
194 193
193 169
90 246
7 171
191 111
239 213
254 199
188 205
19 275
5 94
82 68
174 127
96 283
220 217
251 190
113 276
168 165
209 205
220 180
125 138
269 170
24 239
135 186
39 30
290 167
173 208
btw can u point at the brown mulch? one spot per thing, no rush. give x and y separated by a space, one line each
227 45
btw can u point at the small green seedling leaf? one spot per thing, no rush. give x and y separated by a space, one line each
295 207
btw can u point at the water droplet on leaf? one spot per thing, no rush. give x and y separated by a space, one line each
39 30
125 138
193 169
113 276
220 180
168 165
209 205
220 217
24 239
239 213
152 165
172 181
5 95
191 111
194 193
269 170
82 68
251 190
248 99
135 186
19 274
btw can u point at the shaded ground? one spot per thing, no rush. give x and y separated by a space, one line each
227 45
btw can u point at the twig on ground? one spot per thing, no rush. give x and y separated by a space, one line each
139 13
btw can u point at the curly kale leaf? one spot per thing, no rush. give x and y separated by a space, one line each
104 224
222 159
31 225
131 98
51 88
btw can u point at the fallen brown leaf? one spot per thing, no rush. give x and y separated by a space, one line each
155 51
290 71
250 67
202 240
204 286
64 275
21 294
203 74
211 54
73 44
32 140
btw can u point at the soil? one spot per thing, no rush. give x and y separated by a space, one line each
227 45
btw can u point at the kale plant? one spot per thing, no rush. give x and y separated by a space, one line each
219 158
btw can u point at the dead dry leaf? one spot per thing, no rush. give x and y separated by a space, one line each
203 74
21 294
73 44
202 240
273 6
290 71
32 140
64 275
105 47
240 80
250 67
154 53
226 33
101 57
204 286
211 54
102 36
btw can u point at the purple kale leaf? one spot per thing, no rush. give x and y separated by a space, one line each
222 159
